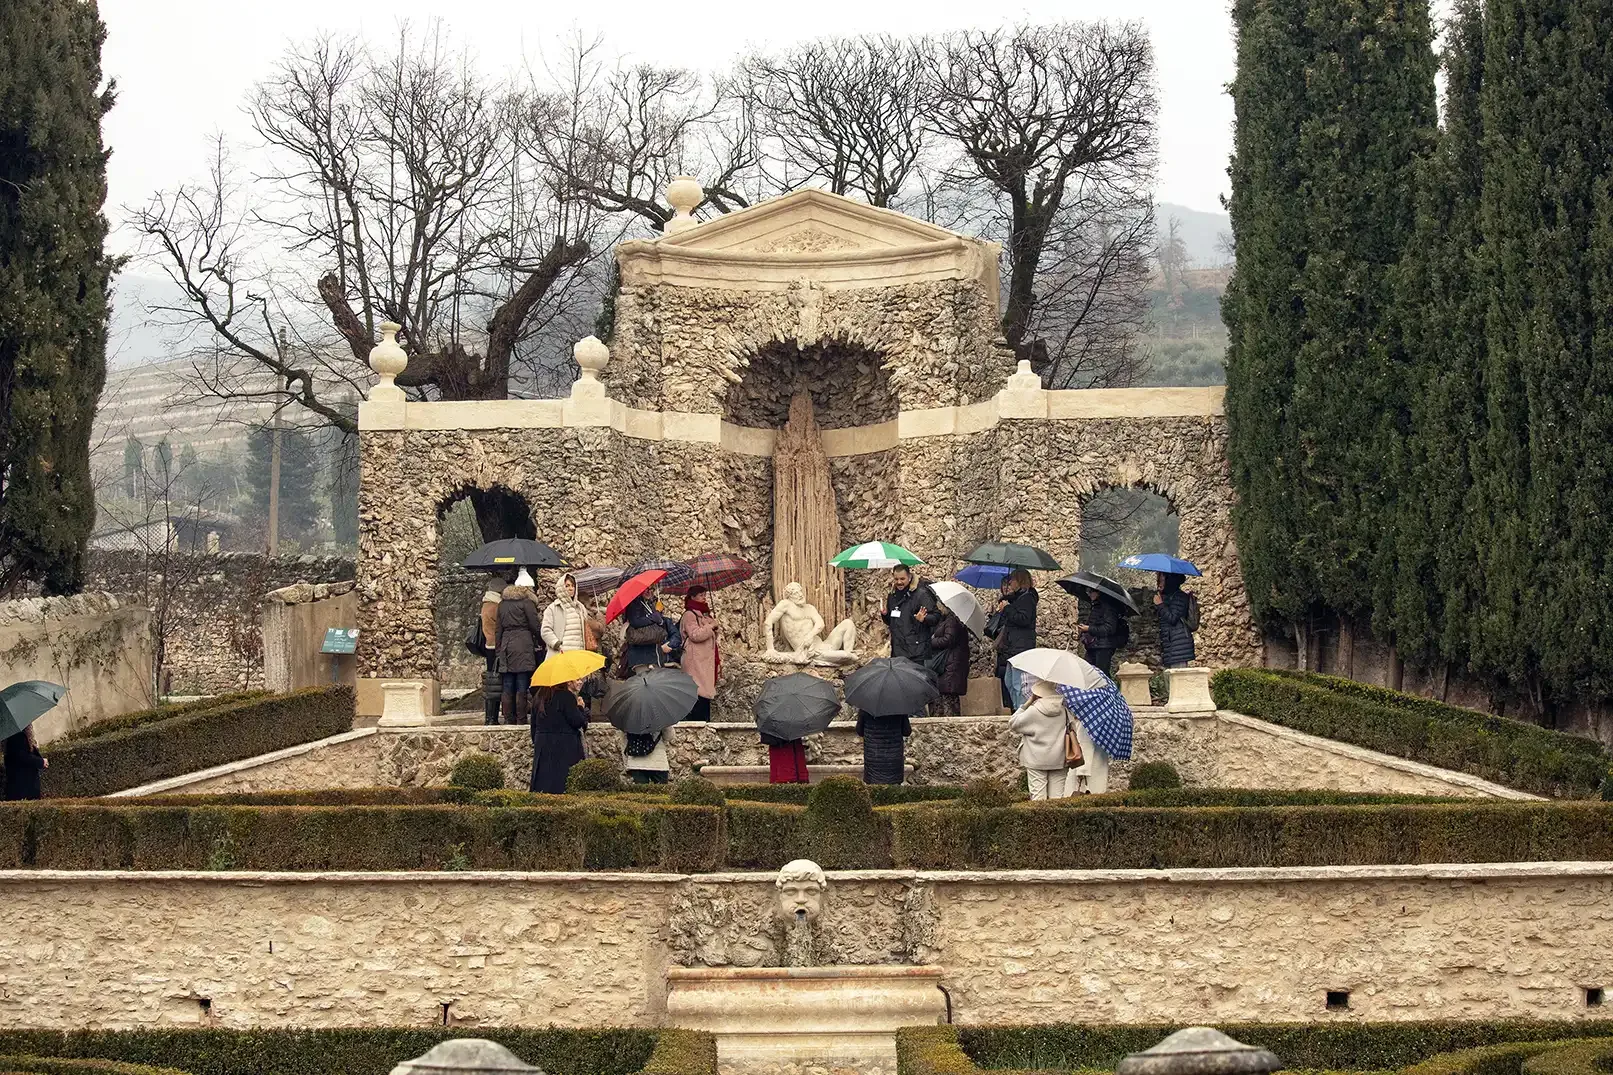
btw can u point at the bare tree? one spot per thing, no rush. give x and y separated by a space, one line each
848 112
1047 116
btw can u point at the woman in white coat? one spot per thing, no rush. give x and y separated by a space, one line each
1040 724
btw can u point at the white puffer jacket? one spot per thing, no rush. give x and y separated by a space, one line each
563 620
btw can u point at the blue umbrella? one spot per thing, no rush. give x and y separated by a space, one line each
1105 715
983 576
1158 561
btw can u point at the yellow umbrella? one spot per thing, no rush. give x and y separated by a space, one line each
565 667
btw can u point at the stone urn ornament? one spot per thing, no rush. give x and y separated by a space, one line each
388 359
684 194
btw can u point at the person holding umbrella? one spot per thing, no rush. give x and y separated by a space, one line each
949 642
701 657
1178 613
1041 724
559 718
520 631
887 691
642 708
1016 632
1105 631
651 637
20 705
789 709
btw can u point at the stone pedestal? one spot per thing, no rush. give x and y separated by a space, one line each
825 1016
1189 690
985 698
1133 679
403 704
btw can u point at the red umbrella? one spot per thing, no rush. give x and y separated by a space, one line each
632 588
712 571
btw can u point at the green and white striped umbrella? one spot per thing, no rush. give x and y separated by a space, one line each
875 554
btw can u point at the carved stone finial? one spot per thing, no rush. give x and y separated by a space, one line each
592 357
684 194
388 360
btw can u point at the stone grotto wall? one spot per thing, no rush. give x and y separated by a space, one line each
96 646
313 950
215 637
1208 750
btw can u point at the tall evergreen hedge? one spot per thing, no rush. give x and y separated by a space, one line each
53 285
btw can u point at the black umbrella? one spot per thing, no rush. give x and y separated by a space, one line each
1008 554
650 702
796 706
513 552
891 687
1078 584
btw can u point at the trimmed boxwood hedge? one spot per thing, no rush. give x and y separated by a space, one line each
954 1050
55 1065
126 721
194 739
1508 752
617 833
1572 1058
374 1052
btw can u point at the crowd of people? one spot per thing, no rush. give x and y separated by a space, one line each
514 636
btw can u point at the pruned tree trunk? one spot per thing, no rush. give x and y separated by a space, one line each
1397 671
806 525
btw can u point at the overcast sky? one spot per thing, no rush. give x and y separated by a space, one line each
183 66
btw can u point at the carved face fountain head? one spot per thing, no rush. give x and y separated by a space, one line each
797 593
801 885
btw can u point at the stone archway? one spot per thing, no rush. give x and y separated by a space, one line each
457 598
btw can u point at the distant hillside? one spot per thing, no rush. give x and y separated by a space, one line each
131 341
1201 232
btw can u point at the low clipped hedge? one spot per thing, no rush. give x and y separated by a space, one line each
194 739
1420 1048
55 1065
1508 752
370 1051
839 829
125 721
1572 1058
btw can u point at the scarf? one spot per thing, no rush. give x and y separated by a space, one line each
700 607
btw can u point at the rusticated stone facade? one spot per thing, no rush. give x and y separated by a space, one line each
1503 941
933 441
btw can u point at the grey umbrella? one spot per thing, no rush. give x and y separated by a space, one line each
23 703
1078 584
1010 554
796 706
650 702
892 687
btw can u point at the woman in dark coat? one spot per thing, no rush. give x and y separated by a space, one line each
24 765
884 747
949 639
520 626
1104 632
644 623
1175 635
1016 631
557 727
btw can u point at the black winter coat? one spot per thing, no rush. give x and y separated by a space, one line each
1019 627
520 626
556 741
909 637
24 767
951 637
1103 624
1175 640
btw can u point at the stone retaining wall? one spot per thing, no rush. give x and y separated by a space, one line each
146 950
1207 749
96 646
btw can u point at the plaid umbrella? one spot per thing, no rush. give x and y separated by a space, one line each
677 572
712 571
593 581
1104 713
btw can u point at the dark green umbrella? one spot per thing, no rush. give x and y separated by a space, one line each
650 702
796 706
23 703
892 687
513 552
1008 554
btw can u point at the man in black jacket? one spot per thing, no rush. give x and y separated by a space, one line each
1016 631
909 610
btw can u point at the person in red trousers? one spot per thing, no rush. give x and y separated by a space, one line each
786 760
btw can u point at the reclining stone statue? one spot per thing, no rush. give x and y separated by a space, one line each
800 626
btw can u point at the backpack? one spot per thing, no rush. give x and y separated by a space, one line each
641 746
1192 613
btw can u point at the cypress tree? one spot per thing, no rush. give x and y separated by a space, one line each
1262 308
53 286
1442 308
1543 480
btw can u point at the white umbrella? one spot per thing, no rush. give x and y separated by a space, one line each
957 597
1057 666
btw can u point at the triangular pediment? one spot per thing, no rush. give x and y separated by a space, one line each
808 223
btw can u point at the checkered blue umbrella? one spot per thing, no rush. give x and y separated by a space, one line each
1104 713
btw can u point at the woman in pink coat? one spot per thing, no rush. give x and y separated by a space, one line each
700 656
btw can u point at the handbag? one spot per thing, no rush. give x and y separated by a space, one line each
651 634
1072 747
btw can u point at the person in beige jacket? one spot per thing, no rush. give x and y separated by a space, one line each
1040 724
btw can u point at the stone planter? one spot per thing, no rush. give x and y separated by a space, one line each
844 1015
